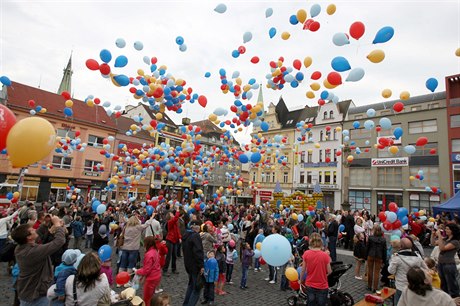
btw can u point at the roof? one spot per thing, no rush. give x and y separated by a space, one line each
309 112
451 205
165 118
124 124
344 106
290 119
19 94
389 104
210 129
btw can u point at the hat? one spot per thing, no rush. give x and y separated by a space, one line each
195 222
77 262
70 256
102 230
130 293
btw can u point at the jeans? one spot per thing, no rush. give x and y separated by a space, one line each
256 263
317 297
128 259
192 294
448 276
228 276
272 273
172 253
332 246
244 275
208 293
89 241
76 242
41 301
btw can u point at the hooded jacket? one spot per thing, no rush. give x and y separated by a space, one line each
193 252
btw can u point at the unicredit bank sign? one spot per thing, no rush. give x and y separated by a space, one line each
390 162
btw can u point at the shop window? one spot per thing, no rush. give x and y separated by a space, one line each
360 177
423 201
95 141
389 176
90 165
61 162
430 176
426 126
359 200
387 198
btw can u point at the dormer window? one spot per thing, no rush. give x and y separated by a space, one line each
321 135
325 115
331 115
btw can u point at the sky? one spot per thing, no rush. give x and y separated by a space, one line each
37 38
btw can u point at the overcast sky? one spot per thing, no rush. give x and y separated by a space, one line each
37 38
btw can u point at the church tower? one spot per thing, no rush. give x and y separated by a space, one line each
66 82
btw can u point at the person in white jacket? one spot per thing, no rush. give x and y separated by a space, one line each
4 221
401 262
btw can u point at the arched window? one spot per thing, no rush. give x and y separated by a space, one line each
325 115
321 136
331 114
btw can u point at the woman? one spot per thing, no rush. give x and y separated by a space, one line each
419 291
208 238
151 269
130 248
368 224
447 269
376 255
317 264
359 228
89 287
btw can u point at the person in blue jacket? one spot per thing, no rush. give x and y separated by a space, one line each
211 275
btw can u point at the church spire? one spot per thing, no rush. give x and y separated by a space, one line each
66 82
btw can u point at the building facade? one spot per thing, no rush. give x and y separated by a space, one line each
453 121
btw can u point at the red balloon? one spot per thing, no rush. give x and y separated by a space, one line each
307 23
122 278
397 224
92 64
393 207
378 129
314 26
321 102
31 103
241 49
104 69
382 216
7 120
202 101
316 75
434 189
421 141
338 153
334 78
328 160
255 60
387 225
357 30
398 107
294 285
66 95
297 64
319 224
262 261
433 151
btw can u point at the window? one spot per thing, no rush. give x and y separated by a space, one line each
386 153
360 134
423 201
321 135
433 105
62 162
65 133
254 176
335 134
328 135
320 177
273 177
310 156
320 156
416 108
302 177
360 199
91 164
360 177
426 126
309 177
327 177
359 117
331 115
389 176
285 177
302 156
129 170
265 177
327 153
425 150
455 145
157 176
389 132
310 135
325 115
334 177
455 121
430 176
95 141
162 139
335 155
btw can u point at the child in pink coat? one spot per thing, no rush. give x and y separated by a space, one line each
151 269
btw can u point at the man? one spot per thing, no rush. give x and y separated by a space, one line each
192 248
35 269
173 238
332 232
349 223
154 227
401 262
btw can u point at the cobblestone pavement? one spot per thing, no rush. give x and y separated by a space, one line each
260 292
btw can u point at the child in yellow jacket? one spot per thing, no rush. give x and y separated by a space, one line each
431 264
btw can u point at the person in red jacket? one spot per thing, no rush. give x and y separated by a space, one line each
173 238
151 269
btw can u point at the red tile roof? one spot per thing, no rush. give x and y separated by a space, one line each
19 94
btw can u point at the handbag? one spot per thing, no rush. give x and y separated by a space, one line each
7 252
121 239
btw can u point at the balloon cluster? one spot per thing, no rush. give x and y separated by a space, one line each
66 145
280 74
13 196
35 108
394 218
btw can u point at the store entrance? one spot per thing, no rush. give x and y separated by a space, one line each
388 197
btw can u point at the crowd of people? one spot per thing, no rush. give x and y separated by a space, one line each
58 258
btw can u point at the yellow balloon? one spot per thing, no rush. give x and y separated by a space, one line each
159 116
281 207
259 245
350 158
411 177
328 85
199 191
338 129
317 145
239 184
315 86
43 110
307 61
386 93
310 94
285 35
291 274
431 219
405 95
30 140
457 52
376 56
301 15
393 149
16 195
69 103
90 103
421 212
331 9
294 216
238 192
140 72
238 81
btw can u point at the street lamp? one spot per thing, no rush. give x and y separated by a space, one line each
346 177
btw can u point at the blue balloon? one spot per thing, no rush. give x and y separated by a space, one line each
9 195
179 40
221 8
371 112
243 158
247 36
120 43
409 149
101 209
149 210
356 124
264 126
104 252
183 47
315 10
299 76
398 132
272 32
369 124
383 35
138 45
256 157
276 250
207 74
95 205
5 80
68 112
355 75
341 228
319 204
121 61
257 254
300 218
105 55
230 227
268 12
391 216
235 53
340 64
385 123
431 84
402 212
340 39
324 94
121 79
293 20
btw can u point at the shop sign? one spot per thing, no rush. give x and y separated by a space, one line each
390 162
90 173
141 190
265 193
265 199
456 157
456 186
57 180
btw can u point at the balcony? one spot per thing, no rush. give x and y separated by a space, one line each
320 164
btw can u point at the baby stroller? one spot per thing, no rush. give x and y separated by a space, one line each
298 249
335 296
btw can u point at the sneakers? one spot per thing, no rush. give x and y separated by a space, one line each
158 291
358 277
267 279
272 282
242 288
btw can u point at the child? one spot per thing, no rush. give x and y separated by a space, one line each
259 238
160 300
62 272
211 274
359 252
431 264
151 269
232 256
89 234
106 268
220 257
162 252
245 263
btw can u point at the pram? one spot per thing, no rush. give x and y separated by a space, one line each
335 296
